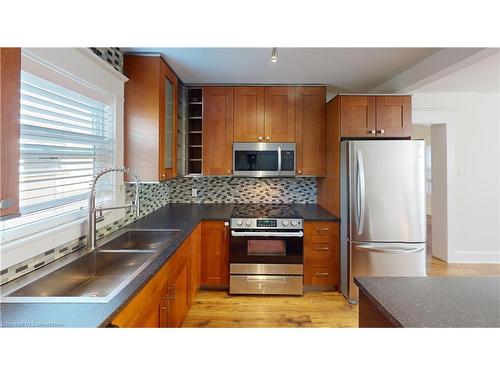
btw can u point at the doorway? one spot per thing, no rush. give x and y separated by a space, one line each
436 185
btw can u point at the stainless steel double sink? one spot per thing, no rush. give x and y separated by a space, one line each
91 275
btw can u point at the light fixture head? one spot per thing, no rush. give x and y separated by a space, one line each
274 55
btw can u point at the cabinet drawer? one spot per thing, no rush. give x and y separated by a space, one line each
321 238
321 228
321 275
325 253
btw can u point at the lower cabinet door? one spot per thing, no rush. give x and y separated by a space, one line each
178 289
147 308
215 254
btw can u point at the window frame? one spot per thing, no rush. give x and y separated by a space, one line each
79 70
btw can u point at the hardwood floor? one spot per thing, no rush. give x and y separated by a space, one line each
314 309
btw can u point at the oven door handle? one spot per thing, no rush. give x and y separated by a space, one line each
267 234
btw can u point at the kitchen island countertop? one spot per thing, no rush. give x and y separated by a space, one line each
432 301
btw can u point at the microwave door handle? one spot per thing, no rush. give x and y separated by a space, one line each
267 234
279 160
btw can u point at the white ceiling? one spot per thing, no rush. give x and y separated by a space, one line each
341 69
483 76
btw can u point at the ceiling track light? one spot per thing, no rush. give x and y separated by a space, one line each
274 55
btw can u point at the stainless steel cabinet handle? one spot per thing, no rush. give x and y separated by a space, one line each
268 138
371 131
267 279
320 274
322 230
171 289
299 171
260 138
164 303
381 131
326 248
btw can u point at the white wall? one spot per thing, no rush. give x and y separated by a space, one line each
474 200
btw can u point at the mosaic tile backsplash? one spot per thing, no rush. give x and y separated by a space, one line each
242 190
209 190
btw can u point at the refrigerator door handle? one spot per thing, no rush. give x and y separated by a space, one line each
376 249
361 191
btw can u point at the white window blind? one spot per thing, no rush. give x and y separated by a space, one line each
65 139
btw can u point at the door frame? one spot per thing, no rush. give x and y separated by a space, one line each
443 219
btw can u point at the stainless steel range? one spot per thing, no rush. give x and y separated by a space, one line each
267 249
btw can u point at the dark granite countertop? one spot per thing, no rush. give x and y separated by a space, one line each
435 301
315 212
172 216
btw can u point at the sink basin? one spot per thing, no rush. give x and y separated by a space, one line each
91 276
141 240
96 275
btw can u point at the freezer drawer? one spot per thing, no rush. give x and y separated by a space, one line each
389 259
266 284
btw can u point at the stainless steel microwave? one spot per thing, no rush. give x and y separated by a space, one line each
264 159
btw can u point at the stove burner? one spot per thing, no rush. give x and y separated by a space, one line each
265 210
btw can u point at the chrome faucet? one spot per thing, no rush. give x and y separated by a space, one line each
91 237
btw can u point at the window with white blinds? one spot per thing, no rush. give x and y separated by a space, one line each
65 139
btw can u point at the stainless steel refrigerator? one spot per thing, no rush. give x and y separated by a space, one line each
383 222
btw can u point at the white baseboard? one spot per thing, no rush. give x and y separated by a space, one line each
491 257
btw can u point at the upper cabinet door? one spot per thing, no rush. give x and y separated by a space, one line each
357 116
393 116
280 114
218 130
168 122
249 114
310 130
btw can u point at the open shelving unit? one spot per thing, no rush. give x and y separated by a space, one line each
194 149
181 129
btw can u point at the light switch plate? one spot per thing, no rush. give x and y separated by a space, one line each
194 192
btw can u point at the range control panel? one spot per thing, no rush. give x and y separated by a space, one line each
237 223
267 223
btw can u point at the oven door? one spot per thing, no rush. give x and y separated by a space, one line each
266 247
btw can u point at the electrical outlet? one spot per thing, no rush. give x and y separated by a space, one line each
194 192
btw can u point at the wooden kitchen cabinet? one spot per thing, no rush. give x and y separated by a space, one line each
215 254
310 130
264 114
218 131
364 116
150 117
10 81
393 116
321 254
165 300
178 285
148 309
249 114
279 119
357 116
